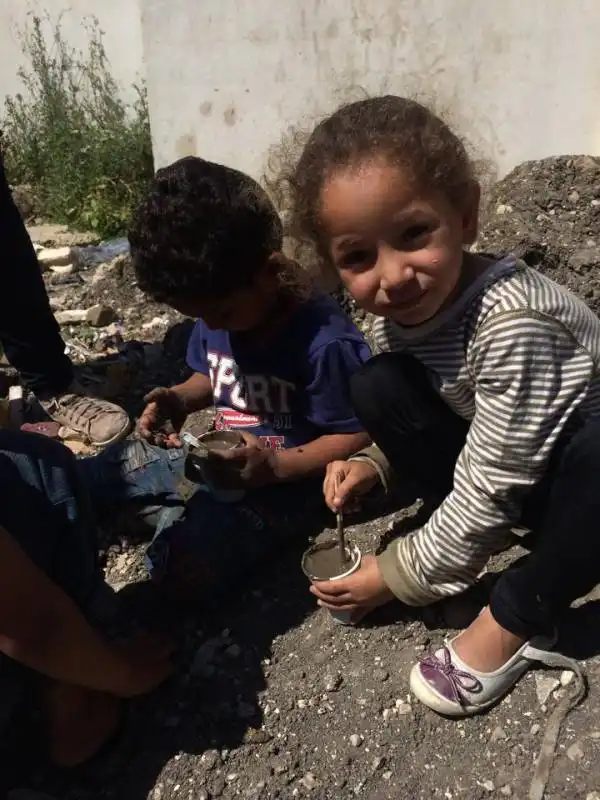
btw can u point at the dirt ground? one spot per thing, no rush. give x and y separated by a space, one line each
271 698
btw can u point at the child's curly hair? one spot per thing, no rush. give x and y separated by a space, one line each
204 230
404 131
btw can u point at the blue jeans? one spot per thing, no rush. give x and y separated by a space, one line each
201 546
45 507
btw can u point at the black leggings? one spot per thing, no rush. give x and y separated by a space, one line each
28 331
422 438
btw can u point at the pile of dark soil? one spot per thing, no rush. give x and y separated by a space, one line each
548 213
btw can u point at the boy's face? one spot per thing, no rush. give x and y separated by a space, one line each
399 251
242 310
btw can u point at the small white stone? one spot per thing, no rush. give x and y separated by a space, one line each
544 686
506 790
596 203
535 729
333 682
592 796
301 703
308 781
403 708
566 677
498 734
574 197
64 269
503 209
356 740
575 752
55 256
488 786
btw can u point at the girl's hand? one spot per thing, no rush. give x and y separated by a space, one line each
346 480
364 589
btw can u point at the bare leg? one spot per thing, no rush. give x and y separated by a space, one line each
485 645
77 722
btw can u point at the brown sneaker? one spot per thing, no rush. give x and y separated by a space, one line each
98 420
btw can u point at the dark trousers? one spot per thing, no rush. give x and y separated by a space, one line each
29 333
422 438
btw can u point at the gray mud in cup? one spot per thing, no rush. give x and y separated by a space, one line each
205 464
323 562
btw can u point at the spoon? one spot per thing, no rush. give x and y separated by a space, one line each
340 532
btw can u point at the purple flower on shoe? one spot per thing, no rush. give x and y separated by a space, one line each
449 681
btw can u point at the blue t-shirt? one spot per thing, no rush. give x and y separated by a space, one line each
290 388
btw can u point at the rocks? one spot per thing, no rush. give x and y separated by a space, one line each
575 752
97 316
50 235
586 258
356 740
498 735
333 682
210 759
55 257
308 781
554 221
544 686
403 708
380 674
566 677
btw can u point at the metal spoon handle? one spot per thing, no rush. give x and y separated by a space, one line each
340 531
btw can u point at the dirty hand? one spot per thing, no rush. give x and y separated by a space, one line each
346 480
364 589
162 418
148 663
256 461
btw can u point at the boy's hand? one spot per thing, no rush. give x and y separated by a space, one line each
364 589
256 461
162 418
346 480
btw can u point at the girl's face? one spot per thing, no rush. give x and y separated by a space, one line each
399 251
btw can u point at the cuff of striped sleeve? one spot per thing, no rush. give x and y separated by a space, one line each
376 458
399 581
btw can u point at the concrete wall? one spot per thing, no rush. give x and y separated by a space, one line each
119 19
226 77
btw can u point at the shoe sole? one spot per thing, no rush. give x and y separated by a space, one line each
116 438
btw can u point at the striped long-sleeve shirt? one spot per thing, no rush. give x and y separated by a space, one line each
517 355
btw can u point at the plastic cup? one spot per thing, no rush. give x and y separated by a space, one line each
355 557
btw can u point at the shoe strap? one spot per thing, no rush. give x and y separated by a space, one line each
572 699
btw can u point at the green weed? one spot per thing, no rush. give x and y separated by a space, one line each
85 152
